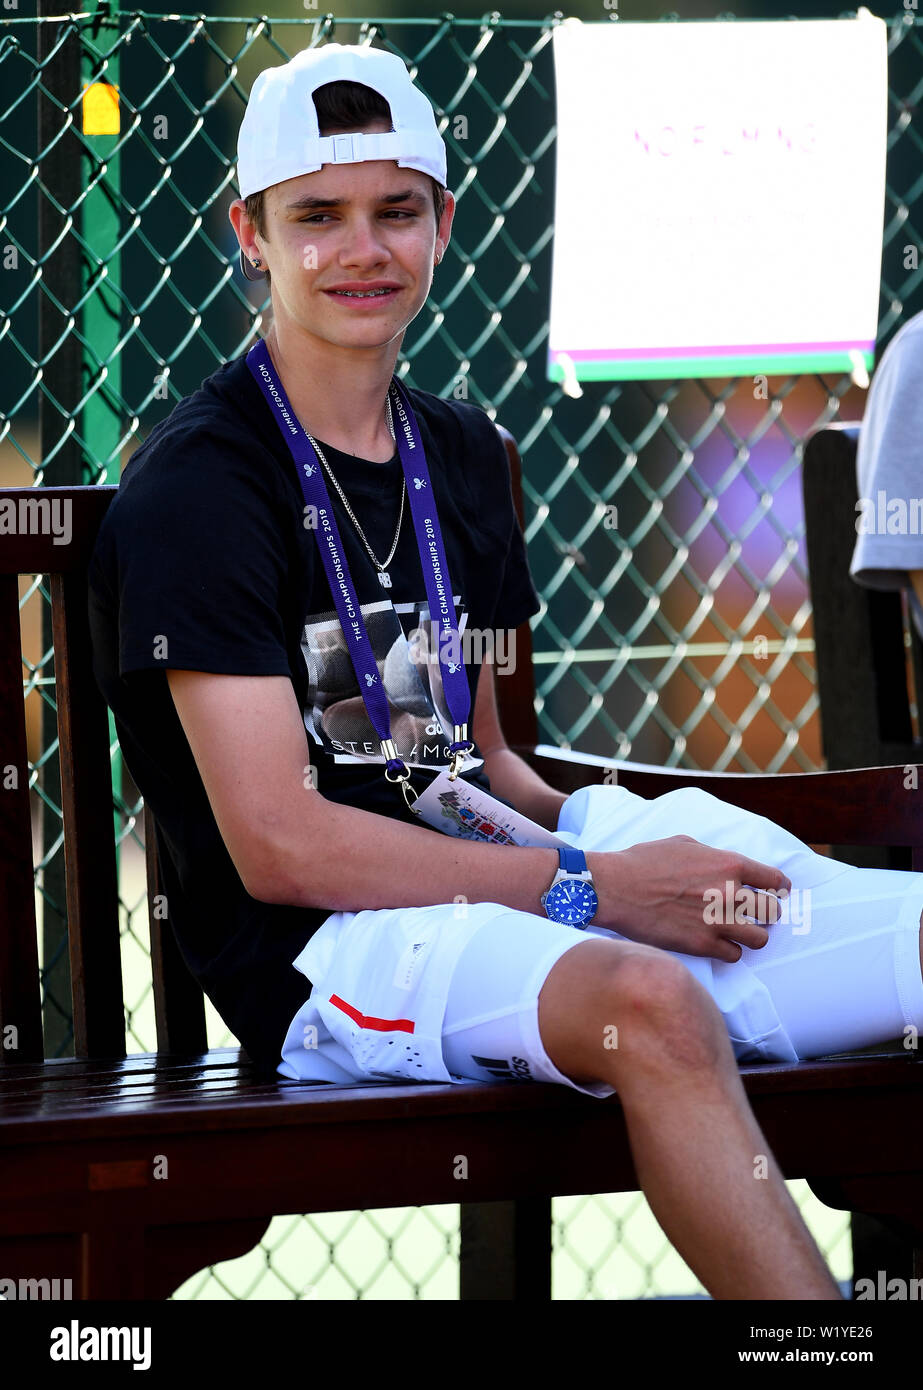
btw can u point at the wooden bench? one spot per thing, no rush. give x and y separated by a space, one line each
84 1193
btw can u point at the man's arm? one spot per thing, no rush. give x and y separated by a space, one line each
510 777
290 844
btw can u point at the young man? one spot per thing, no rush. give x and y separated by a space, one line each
243 633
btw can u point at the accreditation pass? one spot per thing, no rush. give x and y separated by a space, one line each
467 811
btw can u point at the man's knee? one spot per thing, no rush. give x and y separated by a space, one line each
665 1012
612 1005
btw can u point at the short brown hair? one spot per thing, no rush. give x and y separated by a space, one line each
341 106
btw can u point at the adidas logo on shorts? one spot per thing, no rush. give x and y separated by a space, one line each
501 1068
407 964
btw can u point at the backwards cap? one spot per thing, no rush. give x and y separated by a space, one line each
279 136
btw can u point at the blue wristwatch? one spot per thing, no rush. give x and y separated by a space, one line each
571 899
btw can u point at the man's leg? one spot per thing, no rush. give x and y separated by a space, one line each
696 1144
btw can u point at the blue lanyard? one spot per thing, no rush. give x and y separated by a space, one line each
432 557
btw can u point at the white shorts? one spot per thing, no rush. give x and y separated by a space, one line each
449 992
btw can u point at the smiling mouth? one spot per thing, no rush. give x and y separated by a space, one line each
362 294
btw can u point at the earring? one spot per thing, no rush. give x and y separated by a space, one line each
256 264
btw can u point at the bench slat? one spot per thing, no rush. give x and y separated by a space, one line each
135 1063
179 1004
20 993
86 794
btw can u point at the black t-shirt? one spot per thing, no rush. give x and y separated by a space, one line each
206 561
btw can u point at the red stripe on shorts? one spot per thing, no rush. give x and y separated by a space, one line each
381 1025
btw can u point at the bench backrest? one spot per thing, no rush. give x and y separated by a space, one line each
87 800
862 666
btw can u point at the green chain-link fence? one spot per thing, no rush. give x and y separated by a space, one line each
683 637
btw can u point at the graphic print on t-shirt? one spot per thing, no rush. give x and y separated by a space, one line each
404 644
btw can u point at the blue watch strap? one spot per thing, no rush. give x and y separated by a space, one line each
572 860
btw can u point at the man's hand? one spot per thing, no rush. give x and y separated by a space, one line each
659 893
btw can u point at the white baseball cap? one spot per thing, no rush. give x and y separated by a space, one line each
279 136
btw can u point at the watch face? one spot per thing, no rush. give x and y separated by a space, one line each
572 901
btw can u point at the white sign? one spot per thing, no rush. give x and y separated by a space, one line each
720 197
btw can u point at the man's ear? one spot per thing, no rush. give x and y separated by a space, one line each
243 227
444 230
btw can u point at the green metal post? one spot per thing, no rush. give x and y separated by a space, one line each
103 416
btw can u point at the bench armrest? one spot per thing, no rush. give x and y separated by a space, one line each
818 807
